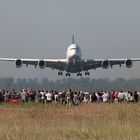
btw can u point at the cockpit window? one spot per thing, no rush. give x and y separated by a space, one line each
73 49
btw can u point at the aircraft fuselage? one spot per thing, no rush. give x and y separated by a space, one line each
74 59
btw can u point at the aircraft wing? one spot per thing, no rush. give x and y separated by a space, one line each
59 64
106 63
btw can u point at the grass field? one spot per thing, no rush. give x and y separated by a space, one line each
84 122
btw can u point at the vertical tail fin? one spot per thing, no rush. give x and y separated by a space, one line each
73 39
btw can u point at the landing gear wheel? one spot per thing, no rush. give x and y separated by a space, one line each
60 73
79 74
86 73
67 74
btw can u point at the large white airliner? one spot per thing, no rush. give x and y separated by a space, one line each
73 62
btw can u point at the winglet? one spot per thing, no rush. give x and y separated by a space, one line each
73 39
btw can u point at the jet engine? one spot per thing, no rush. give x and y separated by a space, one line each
129 63
18 63
105 64
42 64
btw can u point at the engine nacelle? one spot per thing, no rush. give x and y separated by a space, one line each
129 63
42 64
18 63
105 64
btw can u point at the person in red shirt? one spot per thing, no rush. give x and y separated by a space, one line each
112 96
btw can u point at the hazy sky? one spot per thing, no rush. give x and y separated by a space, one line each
43 29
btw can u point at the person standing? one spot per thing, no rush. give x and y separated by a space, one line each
105 97
23 95
42 93
136 97
69 97
48 97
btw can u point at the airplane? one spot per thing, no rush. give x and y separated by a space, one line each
73 62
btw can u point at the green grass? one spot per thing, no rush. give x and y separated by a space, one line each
84 122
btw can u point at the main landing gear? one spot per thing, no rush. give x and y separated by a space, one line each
60 73
79 74
86 73
68 74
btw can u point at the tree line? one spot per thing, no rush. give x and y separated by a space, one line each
87 84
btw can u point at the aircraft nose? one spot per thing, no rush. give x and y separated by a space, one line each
74 52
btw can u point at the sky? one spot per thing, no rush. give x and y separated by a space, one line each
44 29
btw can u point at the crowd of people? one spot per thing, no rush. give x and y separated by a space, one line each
69 97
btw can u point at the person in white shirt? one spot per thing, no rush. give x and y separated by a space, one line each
23 95
42 96
126 96
121 96
105 97
48 97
